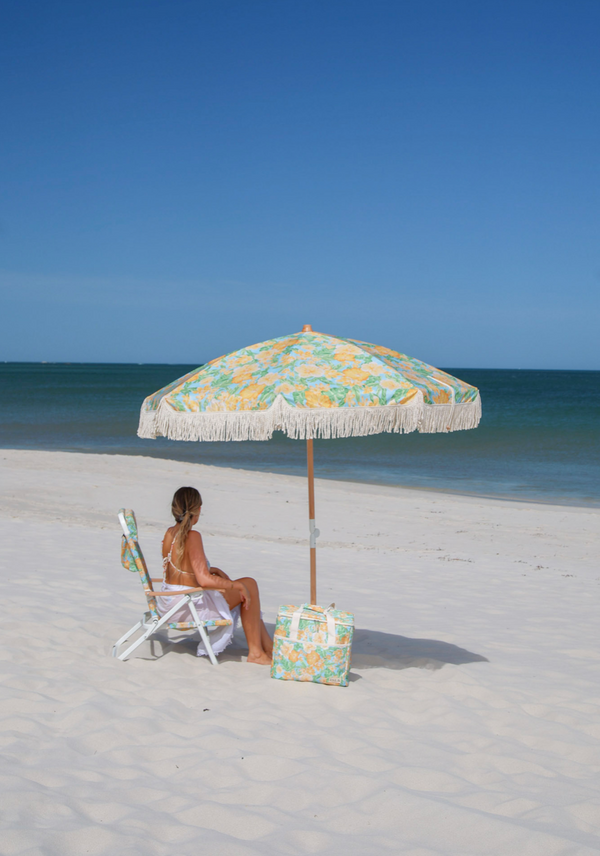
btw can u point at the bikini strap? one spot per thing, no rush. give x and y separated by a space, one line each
167 560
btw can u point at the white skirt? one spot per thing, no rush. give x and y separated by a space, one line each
209 604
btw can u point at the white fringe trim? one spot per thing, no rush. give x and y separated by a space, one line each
302 424
442 418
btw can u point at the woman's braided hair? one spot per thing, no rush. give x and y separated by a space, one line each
186 503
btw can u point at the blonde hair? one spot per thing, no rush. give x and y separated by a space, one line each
186 503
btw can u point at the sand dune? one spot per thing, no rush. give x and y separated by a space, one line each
471 724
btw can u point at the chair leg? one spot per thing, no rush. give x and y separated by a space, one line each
125 637
156 625
203 634
138 642
207 645
152 626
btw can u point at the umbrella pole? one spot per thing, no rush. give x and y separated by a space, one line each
311 521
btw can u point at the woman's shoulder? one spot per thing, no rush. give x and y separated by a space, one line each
194 542
168 536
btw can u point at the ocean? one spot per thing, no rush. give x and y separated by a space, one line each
539 438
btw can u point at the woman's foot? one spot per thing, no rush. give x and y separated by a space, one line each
261 659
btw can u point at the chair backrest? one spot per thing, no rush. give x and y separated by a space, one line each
132 557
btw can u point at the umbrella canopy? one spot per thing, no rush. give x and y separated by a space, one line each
309 385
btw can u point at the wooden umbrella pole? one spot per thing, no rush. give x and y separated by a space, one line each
311 521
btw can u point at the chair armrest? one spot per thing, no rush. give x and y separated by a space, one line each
178 593
160 580
172 593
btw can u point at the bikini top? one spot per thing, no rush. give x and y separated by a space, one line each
167 560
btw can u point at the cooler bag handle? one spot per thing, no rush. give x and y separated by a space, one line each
297 615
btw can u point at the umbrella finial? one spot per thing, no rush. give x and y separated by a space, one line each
307 329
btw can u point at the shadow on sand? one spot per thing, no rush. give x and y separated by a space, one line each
161 645
186 643
371 649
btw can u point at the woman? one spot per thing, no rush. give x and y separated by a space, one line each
186 566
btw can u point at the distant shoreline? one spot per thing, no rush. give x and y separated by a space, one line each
555 502
538 440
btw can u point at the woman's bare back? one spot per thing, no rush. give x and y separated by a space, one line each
178 570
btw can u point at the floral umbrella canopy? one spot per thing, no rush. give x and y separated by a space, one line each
309 385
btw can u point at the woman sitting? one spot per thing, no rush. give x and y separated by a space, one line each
186 566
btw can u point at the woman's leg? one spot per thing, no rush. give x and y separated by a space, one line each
266 640
255 630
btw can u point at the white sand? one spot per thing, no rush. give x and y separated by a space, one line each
471 725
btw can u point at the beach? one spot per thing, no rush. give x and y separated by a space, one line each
470 725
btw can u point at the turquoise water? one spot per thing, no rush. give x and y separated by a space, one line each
539 437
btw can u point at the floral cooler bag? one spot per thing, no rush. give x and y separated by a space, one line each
312 644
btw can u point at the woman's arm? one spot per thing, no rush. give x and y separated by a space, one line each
204 577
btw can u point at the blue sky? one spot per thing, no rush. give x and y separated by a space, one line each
181 179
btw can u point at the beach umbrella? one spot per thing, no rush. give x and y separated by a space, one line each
309 385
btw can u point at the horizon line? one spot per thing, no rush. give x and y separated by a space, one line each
199 365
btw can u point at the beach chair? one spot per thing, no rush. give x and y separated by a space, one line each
133 560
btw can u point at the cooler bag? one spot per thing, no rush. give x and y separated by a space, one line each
312 644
